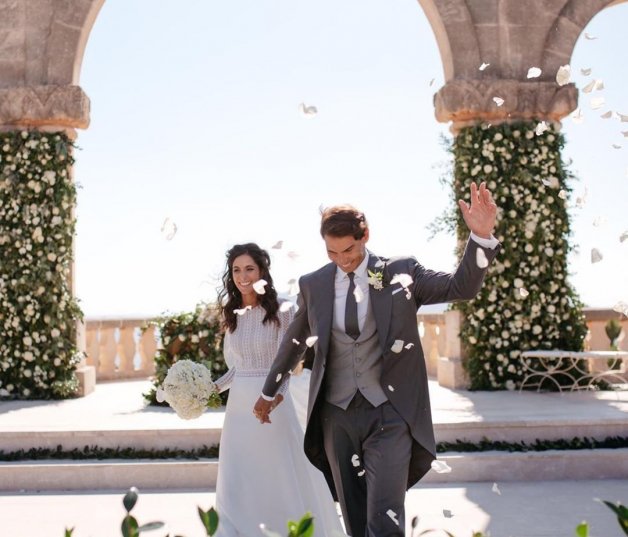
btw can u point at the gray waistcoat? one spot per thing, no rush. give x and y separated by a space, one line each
354 365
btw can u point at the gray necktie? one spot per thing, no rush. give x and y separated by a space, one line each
352 328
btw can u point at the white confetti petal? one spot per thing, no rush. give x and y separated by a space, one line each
597 102
534 72
586 71
624 236
480 258
168 229
292 255
409 346
355 460
498 101
589 87
432 82
441 467
277 245
267 532
259 287
599 85
160 395
308 111
278 377
242 311
405 280
296 341
397 346
285 306
391 388
293 287
563 75
596 255
623 118
588 36
496 490
484 66
607 115
541 128
393 516
358 294
599 221
616 146
311 340
447 513
577 116
361 473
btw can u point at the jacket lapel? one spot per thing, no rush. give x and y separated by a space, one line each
381 301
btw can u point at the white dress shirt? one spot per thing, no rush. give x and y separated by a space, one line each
341 288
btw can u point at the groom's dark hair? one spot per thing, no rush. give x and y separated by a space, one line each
343 220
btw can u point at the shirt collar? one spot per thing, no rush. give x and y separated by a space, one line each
360 271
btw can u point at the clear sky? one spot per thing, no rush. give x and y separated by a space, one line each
194 117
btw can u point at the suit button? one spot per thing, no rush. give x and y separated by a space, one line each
356 344
357 374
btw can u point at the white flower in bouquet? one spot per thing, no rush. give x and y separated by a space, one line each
188 388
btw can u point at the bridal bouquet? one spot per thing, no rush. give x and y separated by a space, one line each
189 389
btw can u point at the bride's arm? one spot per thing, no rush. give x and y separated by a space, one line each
224 382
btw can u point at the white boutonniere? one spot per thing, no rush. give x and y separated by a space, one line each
376 279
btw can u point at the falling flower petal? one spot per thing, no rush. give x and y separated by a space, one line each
599 221
563 75
311 340
441 467
292 255
296 341
278 377
523 292
242 311
541 128
534 72
616 146
623 118
355 460
599 85
562 194
268 532
397 346
581 200
496 490
586 71
484 66
588 36
625 133
358 294
361 473
432 82
596 255
277 245
589 87
447 513
168 229
285 306
607 115
405 280
624 236
293 287
498 101
259 287
480 258
391 388
160 395
597 102
308 111
393 516
409 346
577 116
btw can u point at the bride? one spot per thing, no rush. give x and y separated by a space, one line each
263 474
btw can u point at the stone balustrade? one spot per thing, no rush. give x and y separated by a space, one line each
119 349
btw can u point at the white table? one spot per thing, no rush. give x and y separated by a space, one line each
540 366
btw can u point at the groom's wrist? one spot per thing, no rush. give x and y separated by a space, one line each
266 397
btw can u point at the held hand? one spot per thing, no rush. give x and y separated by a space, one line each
480 216
263 408
275 402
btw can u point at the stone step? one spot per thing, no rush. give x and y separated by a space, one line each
493 466
195 438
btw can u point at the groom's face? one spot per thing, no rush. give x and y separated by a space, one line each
346 252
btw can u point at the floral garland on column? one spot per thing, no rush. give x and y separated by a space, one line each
526 301
38 314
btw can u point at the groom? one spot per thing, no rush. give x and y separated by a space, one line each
369 423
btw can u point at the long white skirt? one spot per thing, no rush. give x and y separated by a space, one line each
263 474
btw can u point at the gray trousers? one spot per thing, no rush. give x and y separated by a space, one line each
369 452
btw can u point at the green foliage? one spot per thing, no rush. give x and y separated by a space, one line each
526 302
209 519
130 526
582 530
622 514
613 331
611 442
38 314
196 336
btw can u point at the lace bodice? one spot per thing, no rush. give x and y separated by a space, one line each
251 348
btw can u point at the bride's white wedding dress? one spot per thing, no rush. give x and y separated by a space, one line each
263 474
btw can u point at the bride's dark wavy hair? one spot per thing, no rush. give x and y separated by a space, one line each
230 298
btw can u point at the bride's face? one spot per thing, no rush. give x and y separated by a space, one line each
245 273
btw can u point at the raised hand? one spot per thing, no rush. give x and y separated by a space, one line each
481 215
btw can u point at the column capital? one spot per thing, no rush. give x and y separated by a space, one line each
467 102
62 107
